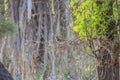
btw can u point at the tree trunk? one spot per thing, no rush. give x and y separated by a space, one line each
108 69
63 22
108 51
107 59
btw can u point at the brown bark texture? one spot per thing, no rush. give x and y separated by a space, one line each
108 68
107 55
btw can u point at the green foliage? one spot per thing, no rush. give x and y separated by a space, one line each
5 7
7 26
68 75
9 61
89 72
41 71
92 17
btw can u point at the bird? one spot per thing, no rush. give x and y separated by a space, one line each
59 39
4 74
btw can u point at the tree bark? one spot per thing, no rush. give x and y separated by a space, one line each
108 52
108 69
107 55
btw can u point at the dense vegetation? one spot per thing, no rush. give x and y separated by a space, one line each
60 39
6 26
97 21
93 17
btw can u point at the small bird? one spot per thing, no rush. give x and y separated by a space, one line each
59 39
